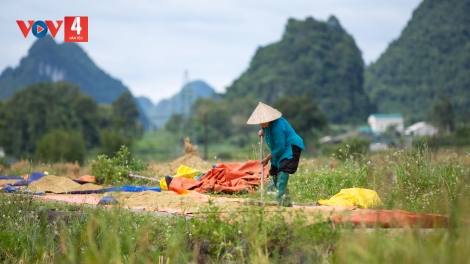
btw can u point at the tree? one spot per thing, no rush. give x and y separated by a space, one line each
218 119
174 123
87 114
36 110
126 115
60 145
105 113
444 114
3 123
304 115
112 141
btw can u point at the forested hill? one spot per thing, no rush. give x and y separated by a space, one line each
48 61
430 58
312 56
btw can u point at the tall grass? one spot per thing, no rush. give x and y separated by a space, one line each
419 181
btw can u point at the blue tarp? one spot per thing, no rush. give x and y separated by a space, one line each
127 188
11 189
10 177
32 177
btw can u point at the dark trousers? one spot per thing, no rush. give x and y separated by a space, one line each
288 165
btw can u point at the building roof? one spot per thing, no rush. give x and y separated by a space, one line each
387 115
365 129
419 125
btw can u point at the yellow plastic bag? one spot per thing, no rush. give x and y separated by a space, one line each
183 171
362 198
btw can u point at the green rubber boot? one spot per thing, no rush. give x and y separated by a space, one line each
274 180
282 196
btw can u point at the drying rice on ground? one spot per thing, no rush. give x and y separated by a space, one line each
5 182
165 199
229 208
57 184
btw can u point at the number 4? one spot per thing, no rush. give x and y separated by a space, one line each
76 25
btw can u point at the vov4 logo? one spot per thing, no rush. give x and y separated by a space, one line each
75 28
39 27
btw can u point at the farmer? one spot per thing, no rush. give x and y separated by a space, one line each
285 146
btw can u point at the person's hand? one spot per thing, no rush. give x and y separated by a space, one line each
261 133
265 161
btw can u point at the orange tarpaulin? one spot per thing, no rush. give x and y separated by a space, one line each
226 178
392 218
87 178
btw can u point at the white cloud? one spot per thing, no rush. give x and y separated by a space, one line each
149 44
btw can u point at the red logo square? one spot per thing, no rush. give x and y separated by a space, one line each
76 29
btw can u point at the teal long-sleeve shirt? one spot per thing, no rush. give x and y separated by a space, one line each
280 136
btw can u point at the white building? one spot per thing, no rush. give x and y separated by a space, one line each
380 122
421 129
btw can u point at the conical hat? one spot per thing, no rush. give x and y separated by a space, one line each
263 114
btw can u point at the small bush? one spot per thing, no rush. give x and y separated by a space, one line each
116 170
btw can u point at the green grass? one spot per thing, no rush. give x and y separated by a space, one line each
419 181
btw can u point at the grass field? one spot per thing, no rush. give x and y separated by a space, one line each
418 181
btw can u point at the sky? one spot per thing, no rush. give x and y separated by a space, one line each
150 44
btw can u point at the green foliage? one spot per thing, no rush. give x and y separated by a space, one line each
407 246
430 58
38 109
111 142
312 56
61 146
4 136
88 116
304 116
174 124
42 108
125 116
116 170
212 120
458 139
218 118
414 181
444 114
355 145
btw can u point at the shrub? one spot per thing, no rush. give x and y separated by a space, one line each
116 170
60 145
